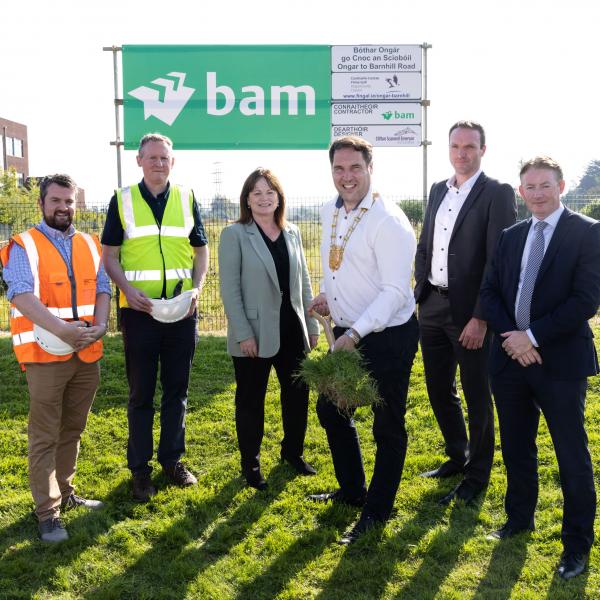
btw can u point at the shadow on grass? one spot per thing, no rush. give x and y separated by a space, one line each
305 549
504 569
179 554
18 531
378 559
442 554
29 565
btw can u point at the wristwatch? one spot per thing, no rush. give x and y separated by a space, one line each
353 335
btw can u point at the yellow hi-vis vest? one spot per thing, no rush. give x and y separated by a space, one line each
149 254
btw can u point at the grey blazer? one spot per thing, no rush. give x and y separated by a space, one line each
250 289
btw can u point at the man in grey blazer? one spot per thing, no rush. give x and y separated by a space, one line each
463 220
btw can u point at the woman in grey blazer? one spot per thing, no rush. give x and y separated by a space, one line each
266 292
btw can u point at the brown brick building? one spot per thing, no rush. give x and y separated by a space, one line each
15 148
15 154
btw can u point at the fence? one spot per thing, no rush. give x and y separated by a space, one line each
216 214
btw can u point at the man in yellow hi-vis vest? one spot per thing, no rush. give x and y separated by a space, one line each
155 250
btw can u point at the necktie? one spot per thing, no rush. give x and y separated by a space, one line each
536 254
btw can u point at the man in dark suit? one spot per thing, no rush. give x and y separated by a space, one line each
463 220
543 286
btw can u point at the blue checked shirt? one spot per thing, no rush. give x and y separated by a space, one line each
17 273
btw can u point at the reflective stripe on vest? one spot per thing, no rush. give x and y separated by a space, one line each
93 249
131 230
34 261
23 338
153 275
83 310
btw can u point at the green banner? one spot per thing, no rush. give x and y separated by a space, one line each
228 97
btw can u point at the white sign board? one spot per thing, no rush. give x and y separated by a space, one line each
375 86
382 135
385 57
375 113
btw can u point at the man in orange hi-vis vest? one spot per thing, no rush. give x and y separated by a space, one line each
60 299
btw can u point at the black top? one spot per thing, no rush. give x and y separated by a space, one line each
281 258
113 233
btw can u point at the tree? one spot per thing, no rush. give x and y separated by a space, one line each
589 184
522 210
18 205
592 210
223 209
413 209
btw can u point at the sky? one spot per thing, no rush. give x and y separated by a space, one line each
527 70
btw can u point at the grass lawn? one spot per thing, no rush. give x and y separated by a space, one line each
222 540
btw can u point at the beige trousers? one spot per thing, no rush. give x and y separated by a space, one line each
60 398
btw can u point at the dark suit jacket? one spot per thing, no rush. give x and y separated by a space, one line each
489 208
566 295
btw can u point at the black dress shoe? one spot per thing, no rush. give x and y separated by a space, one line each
507 531
337 496
464 491
298 463
142 486
179 474
365 523
447 469
255 479
572 564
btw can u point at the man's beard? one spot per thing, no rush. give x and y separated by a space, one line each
61 225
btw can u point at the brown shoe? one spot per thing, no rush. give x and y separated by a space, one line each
179 475
143 489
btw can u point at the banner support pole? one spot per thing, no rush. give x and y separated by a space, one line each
425 103
117 142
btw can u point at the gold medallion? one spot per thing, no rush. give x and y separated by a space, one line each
336 253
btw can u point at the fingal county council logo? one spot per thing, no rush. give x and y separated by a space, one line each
166 99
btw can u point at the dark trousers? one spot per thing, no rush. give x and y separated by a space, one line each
520 394
252 376
442 352
148 342
389 356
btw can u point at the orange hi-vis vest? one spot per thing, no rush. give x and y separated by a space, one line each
66 298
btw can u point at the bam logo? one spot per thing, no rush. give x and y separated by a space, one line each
165 104
254 102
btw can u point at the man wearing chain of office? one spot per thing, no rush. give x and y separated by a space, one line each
367 251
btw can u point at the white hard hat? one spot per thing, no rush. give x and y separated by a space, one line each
173 309
50 343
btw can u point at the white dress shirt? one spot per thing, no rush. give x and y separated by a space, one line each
445 220
372 288
548 231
